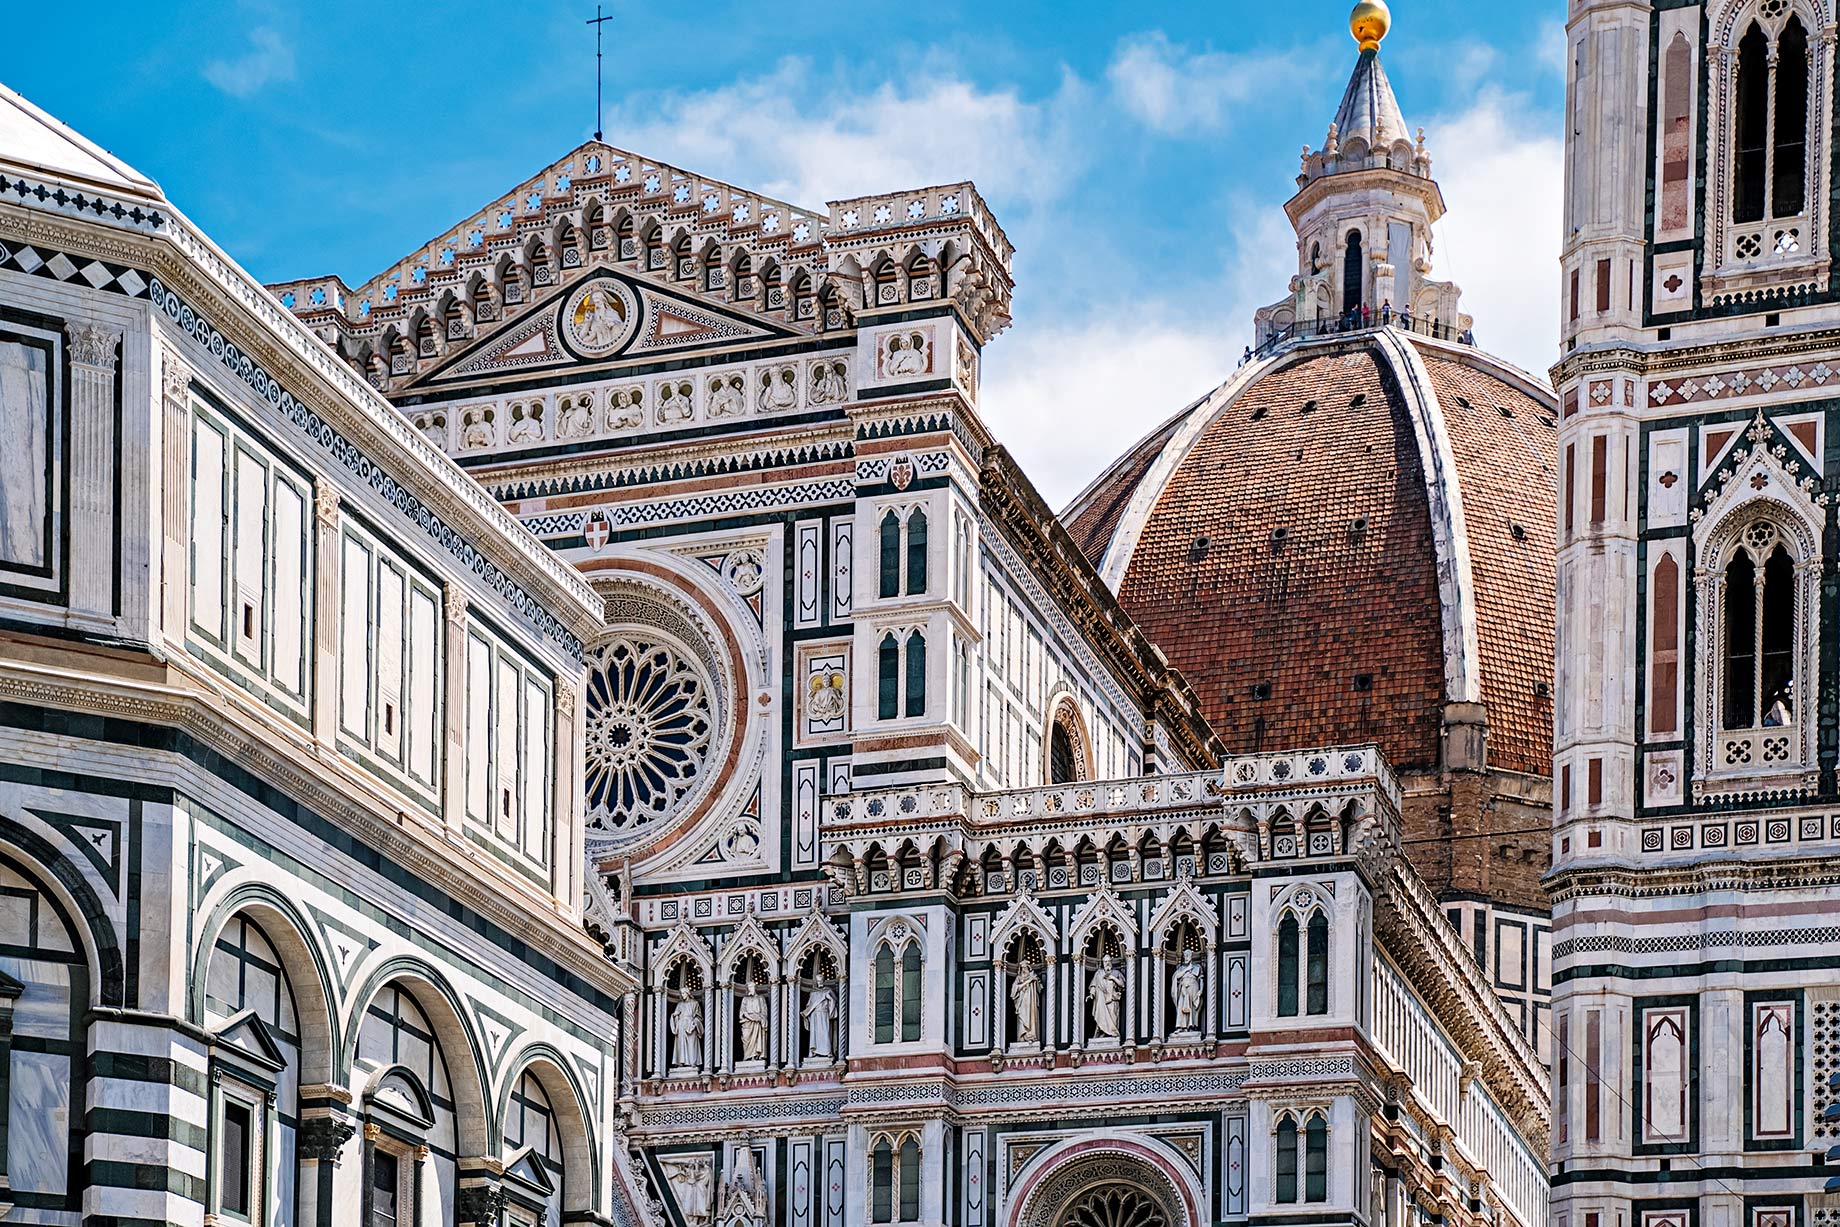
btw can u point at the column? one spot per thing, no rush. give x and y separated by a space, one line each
326 611
326 1130
93 355
175 493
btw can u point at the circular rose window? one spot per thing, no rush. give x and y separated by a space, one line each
650 722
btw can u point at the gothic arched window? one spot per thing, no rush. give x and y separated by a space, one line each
1316 1159
1751 131
1759 649
916 674
898 983
910 993
909 1177
890 543
1789 142
1063 766
888 678
1353 280
1287 966
1286 1166
916 552
1769 173
1317 996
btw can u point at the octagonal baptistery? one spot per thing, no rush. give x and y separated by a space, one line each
1352 540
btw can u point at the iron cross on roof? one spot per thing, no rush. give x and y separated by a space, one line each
597 21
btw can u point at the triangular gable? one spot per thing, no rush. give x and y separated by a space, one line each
603 318
250 1036
525 1172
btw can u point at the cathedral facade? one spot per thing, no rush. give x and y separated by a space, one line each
589 726
1697 1001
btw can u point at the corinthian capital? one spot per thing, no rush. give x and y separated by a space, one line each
92 346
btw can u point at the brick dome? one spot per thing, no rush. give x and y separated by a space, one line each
1342 541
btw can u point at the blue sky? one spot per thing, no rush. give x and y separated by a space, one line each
1138 155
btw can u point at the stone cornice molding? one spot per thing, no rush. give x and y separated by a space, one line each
1623 358
328 786
1410 928
1661 880
251 318
1042 543
620 472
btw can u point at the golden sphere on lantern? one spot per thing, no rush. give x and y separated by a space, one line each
1369 23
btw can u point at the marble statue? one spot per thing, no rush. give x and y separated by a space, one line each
820 1014
687 1033
1185 986
753 1024
1025 996
1106 992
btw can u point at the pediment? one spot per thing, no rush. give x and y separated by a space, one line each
604 318
251 1038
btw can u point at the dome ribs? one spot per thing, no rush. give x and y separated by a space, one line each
1506 471
1307 602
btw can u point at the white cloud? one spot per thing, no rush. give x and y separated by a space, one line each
1171 90
1503 181
268 60
1069 396
789 135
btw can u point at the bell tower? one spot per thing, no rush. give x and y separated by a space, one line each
1696 979
1363 211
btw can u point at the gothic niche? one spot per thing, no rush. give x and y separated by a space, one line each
655 719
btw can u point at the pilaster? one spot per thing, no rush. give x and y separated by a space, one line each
326 597
94 356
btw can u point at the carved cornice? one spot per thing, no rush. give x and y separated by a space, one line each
638 466
247 735
1660 880
1752 349
1161 692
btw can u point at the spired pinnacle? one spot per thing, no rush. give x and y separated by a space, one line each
1369 23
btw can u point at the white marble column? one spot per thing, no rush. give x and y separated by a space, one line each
93 359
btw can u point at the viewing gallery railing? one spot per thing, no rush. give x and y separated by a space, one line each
1305 330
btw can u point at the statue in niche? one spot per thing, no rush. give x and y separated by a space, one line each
600 319
725 398
1106 992
687 1033
1025 996
626 409
820 1015
477 429
779 390
577 417
526 424
753 1024
906 355
828 384
1185 987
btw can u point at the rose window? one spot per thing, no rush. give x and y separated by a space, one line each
650 722
1114 1205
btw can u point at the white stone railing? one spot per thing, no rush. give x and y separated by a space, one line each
1241 776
